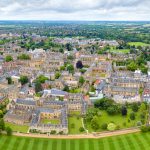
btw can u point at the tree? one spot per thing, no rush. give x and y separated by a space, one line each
9 80
53 132
68 46
111 127
2 124
62 68
103 103
144 128
143 107
66 88
57 75
92 89
132 66
70 57
38 87
112 110
91 112
135 107
143 115
94 123
24 80
61 132
8 58
23 57
41 79
1 113
81 80
81 129
79 64
124 111
61 50
82 70
104 126
132 116
9 131
0 131
143 68
70 68
141 91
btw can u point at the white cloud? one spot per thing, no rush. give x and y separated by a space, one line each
75 9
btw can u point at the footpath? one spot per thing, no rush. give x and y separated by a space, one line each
80 136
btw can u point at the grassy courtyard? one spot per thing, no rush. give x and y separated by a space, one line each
119 120
18 128
76 113
50 121
137 141
103 75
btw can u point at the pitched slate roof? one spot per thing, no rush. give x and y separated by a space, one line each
26 102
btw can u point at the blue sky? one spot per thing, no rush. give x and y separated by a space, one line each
75 10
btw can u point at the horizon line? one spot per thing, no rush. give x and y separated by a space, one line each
80 20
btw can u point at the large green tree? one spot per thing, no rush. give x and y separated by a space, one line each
8 58
38 87
94 123
70 68
23 80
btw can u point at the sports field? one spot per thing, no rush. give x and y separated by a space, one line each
137 141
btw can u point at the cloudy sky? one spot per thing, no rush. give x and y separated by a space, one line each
75 10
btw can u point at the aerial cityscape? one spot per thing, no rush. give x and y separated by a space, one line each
72 79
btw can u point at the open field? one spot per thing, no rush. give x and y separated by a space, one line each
136 141
119 120
138 44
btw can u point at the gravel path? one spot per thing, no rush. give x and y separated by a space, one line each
80 136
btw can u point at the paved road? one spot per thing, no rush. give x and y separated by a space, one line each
80 136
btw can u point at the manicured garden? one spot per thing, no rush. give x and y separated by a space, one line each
120 121
137 141
106 113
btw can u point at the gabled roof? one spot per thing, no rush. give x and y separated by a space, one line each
26 102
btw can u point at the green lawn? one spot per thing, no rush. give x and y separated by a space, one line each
15 127
77 113
51 121
137 141
77 124
138 44
117 119
102 75
124 51
77 90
